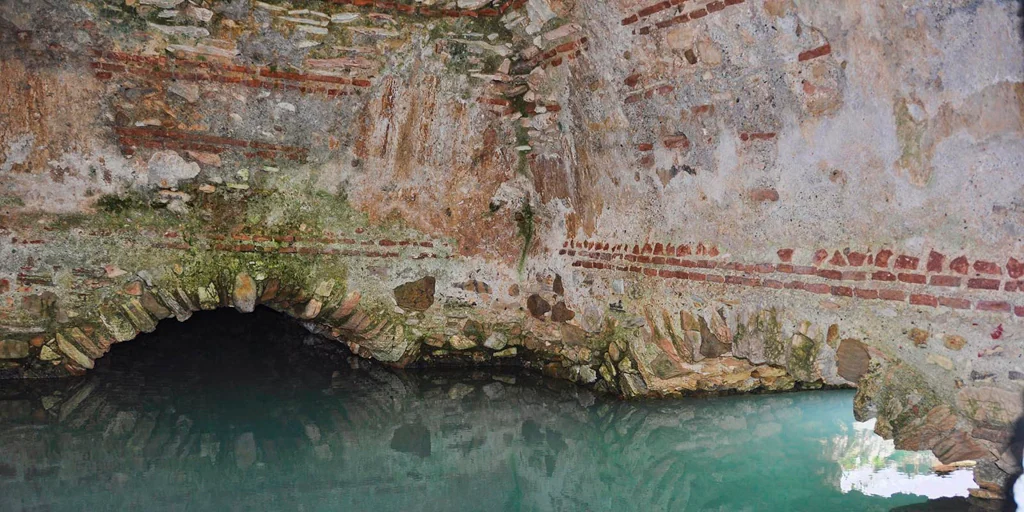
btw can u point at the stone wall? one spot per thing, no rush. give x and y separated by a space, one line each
649 198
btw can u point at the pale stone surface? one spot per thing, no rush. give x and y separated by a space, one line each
508 352
119 327
940 361
993 405
496 341
324 288
188 92
387 348
472 4
312 309
459 342
180 30
163 4
168 168
48 354
209 298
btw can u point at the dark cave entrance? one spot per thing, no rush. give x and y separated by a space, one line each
223 349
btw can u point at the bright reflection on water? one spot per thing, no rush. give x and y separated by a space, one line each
873 466
233 413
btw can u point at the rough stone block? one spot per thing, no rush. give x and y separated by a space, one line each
416 295
14 349
243 295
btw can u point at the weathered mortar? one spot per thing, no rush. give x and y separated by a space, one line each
649 198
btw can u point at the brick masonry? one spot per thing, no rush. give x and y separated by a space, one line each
108 63
674 12
879 276
394 7
162 138
555 56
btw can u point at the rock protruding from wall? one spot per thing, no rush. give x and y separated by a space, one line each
416 295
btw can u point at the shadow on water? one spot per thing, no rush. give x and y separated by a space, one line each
252 413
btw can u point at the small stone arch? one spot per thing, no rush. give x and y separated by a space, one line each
319 298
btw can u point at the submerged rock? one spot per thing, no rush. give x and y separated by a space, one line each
413 438
245 450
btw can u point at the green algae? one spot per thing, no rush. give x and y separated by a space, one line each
802 356
524 223
774 346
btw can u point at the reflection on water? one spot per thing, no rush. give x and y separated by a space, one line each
873 466
249 413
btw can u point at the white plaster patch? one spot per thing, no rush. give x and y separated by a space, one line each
18 152
726 163
994 47
167 168
539 12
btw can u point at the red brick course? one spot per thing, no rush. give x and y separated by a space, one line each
185 69
820 51
675 17
734 273
395 7
156 137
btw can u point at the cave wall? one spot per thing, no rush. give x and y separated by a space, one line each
652 198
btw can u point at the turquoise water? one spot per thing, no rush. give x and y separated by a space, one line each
229 412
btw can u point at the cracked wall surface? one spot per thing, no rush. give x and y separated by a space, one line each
649 198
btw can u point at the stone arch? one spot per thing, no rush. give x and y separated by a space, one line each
662 353
317 296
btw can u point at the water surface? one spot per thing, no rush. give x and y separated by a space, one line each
232 412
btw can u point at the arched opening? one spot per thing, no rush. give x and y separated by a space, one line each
254 412
228 351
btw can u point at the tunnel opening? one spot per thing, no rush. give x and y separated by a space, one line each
253 411
224 348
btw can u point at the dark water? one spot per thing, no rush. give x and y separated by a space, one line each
231 412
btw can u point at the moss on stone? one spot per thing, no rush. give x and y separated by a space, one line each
614 332
477 331
774 344
896 394
524 223
120 203
802 356
8 200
